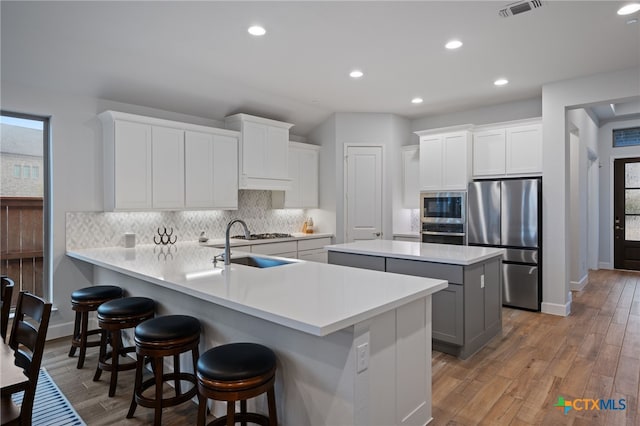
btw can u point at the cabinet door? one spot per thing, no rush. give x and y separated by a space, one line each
489 153
455 162
168 167
448 315
132 166
319 256
308 177
431 163
199 170
411 178
293 195
276 152
524 149
225 172
254 149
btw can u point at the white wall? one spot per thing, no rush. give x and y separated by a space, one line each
583 137
76 156
607 153
387 130
509 111
557 98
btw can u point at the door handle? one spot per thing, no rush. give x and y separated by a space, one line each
377 234
619 228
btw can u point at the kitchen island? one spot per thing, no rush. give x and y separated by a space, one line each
468 313
353 346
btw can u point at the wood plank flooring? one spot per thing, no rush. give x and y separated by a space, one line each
515 380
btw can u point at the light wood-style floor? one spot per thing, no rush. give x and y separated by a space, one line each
515 380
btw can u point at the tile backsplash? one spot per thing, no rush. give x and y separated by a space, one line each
107 229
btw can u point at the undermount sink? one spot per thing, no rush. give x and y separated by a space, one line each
258 262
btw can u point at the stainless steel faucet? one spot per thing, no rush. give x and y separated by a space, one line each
227 248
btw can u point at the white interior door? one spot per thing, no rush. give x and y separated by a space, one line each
363 176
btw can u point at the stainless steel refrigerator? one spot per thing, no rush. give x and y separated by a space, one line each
507 213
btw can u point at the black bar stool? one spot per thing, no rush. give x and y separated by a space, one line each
113 317
83 301
237 372
156 338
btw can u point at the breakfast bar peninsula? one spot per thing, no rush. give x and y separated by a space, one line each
353 345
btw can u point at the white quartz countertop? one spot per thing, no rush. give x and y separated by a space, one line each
311 297
426 252
238 242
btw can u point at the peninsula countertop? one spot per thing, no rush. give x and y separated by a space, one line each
425 252
311 297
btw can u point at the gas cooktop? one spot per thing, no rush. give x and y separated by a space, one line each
265 236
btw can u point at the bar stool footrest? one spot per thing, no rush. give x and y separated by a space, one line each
167 402
256 418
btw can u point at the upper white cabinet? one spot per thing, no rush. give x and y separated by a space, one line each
263 152
508 149
303 172
211 178
411 177
445 160
154 164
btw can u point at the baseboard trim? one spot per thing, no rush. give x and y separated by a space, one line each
605 265
60 330
579 285
557 308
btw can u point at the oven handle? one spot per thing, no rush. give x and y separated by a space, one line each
451 234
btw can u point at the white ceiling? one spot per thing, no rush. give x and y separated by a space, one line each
196 57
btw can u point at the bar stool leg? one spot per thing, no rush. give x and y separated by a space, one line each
231 413
243 410
176 369
271 400
76 334
115 361
157 421
202 410
84 330
137 385
102 356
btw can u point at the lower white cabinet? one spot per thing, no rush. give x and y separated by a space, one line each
303 172
313 249
283 248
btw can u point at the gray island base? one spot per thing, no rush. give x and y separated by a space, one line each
468 313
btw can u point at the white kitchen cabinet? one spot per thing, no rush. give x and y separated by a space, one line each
411 177
445 160
211 170
147 167
508 149
263 152
127 168
283 249
303 172
167 154
313 249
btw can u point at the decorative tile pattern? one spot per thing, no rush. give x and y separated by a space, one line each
415 220
107 229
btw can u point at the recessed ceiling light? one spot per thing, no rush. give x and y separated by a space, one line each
629 9
257 30
356 74
632 21
417 100
501 82
453 44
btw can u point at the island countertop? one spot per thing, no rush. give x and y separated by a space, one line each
426 252
315 298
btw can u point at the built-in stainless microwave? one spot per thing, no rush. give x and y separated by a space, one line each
443 216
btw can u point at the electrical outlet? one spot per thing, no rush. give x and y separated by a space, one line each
362 357
482 281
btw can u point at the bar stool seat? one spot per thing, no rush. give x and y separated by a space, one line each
156 338
237 372
113 317
83 301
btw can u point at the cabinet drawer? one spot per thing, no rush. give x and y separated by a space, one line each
275 248
451 273
357 260
314 243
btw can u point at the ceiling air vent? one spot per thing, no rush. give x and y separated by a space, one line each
519 7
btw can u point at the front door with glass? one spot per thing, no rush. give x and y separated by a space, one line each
626 213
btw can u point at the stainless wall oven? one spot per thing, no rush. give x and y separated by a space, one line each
443 217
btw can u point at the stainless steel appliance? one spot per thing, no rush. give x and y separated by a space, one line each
443 217
507 213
